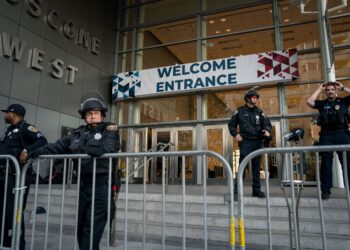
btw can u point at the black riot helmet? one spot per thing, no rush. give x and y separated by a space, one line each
249 94
92 101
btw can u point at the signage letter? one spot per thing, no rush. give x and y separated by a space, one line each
231 63
34 8
50 17
13 48
83 38
71 73
57 66
95 44
69 29
37 59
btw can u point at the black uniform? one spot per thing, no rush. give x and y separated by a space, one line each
18 137
333 120
251 122
95 142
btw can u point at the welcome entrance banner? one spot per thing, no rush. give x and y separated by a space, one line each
275 66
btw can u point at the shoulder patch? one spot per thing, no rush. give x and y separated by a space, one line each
112 127
33 129
263 114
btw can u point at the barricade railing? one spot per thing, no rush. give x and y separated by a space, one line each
294 220
10 177
131 170
130 156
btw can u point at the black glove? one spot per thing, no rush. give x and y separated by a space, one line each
35 153
94 151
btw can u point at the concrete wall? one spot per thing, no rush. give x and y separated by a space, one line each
52 102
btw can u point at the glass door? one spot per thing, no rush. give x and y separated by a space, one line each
173 139
184 142
216 141
138 163
161 139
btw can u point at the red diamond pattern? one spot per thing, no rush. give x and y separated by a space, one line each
278 63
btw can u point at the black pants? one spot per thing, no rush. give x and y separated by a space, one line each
338 138
245 148
84 214
10 208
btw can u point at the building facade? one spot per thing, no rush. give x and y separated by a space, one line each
51 52
153 34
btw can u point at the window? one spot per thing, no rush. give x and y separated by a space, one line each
168 109
303 36
310 67
158 10
168 55
290 12
342 63
125 41
340 28
124 62
223 104
297 96
238 20
242 44
166 33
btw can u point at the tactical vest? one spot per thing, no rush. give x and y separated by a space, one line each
333 115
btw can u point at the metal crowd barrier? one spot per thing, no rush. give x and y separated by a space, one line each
128 156
293 183
183 154
16 221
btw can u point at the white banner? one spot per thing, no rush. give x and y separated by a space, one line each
265 67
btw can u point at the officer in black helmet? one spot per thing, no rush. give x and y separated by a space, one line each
333 119
254 126
95 138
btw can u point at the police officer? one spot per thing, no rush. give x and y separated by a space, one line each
95 138
333 119
254 127
20 139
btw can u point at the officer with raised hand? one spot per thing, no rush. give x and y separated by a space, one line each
254 127
20 139
333 119
95 138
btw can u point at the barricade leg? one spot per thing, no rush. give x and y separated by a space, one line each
6 209
346 172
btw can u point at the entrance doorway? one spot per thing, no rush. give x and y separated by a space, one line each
173 139
216 139
136 165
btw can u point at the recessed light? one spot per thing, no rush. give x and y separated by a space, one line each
285 8
228 30
286 20
223 19
211 21
217 32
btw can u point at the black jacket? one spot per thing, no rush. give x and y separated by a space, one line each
86 140
333 114
22 135
250 121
